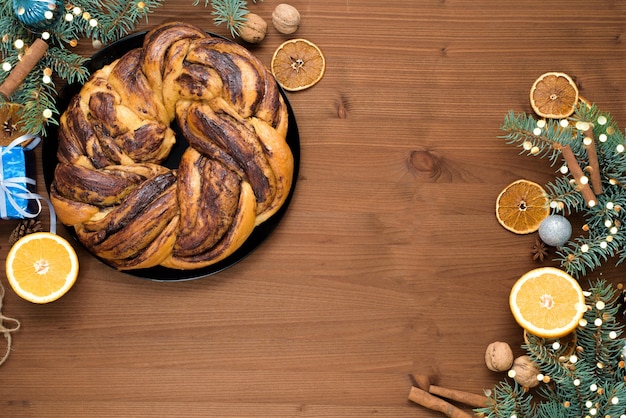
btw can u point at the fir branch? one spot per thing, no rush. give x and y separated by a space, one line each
601 334
232 13
101 20
567 198
538 138
544 139
507 400
69 66
585 368
116 20
584 254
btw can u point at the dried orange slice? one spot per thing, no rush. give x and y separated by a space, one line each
41 267
554 95
298 64
521 206
547 302
11 125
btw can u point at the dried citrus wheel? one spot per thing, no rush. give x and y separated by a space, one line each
298 64
554 95
521 206
41 267
10 121
547 302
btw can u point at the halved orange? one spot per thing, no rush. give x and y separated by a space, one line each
547 302
554 95
521 206
298 64
41 267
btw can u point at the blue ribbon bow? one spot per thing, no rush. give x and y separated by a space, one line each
16 187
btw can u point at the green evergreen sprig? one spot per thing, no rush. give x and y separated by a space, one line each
522 129
506 400
585 369
232 13
605 236
101 21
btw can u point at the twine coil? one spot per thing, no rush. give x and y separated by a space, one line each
4 330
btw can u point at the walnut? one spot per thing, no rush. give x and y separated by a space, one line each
499 356
286 18
254 29
524 372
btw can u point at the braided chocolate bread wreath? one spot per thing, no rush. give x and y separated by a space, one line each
110 183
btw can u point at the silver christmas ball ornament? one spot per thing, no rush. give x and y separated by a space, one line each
555 230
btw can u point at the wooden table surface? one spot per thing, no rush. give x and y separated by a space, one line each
389 261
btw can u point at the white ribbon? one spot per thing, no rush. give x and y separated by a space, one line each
14 187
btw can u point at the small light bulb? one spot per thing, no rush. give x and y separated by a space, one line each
582 126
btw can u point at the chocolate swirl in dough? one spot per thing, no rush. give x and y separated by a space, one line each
109 183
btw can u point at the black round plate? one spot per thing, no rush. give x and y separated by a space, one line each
50 144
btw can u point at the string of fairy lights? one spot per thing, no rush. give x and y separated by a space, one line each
60 25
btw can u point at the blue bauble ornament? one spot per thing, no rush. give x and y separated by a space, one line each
555 230
37 14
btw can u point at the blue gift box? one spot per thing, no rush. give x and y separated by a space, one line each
16 183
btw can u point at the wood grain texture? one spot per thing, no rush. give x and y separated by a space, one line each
389 261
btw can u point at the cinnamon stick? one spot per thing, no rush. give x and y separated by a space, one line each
592 154
467 398
31 57
425 399
578 174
